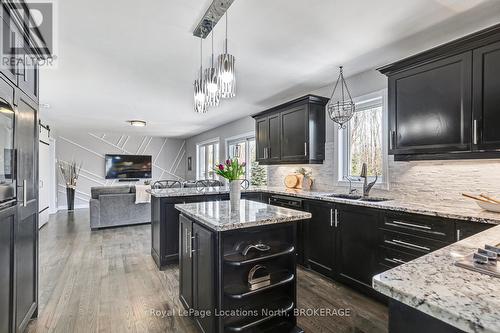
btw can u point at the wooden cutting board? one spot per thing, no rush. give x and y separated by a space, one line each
291 181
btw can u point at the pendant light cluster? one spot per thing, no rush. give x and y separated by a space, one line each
341 110
216 81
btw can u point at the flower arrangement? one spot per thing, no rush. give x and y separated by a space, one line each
232 169
69 172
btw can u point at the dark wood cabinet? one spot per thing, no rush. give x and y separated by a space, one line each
7 225
357 243
443 103
466 229
185 263
203 257
28 74
26 237
295 138
486 98
321 237
165 226
293 132
268 138
430 107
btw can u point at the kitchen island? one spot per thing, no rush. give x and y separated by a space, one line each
434 293
237 265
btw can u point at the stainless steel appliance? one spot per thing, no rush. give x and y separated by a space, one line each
7 154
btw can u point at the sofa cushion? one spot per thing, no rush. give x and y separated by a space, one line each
96 191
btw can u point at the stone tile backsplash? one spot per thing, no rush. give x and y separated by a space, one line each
424 180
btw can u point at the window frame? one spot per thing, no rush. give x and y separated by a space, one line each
341 157
204 144
245 137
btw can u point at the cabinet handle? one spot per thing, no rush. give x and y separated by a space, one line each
305 148
458 234
185 241
336 218
398 242
391 140
331 217
474 132
191 245
25 193
395 261
410 225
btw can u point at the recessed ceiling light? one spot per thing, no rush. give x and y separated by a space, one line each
45 106
137 123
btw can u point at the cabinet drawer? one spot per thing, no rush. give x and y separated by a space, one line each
423 226
417 246
390 258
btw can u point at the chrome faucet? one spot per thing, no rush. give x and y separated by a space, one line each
366 186
351 189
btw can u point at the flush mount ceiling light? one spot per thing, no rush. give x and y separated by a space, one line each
341 110
137 123
212 81
226 74
200 96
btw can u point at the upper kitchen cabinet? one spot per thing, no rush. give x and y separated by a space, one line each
443 103
293 132
486 82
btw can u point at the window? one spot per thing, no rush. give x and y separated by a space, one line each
207 156
362 141
242 148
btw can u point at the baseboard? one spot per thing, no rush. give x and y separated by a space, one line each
65 207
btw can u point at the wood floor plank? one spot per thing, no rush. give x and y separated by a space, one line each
106 281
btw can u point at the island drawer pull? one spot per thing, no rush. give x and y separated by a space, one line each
406 224
399 242
395 261
260 247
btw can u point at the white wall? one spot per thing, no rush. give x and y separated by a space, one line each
235 128
89 148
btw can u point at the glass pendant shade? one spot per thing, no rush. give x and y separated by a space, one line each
342 109
227 79
200 103
211 87
212 81
200 95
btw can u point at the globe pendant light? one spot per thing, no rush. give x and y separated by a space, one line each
200 97
212 81
341 110
226 73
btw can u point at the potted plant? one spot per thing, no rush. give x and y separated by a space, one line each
70 172
232 170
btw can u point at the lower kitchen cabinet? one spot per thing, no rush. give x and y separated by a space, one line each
7 223
467 229
321 237
357 243
197 271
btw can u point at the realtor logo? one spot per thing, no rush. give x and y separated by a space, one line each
37 20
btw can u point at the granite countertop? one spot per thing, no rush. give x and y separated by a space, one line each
432 284
219 216
459 210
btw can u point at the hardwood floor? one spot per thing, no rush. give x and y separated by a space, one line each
106 281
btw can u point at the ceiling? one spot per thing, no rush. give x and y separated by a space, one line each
123 59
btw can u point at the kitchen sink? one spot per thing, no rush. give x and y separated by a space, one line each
358 197
345 196
374 199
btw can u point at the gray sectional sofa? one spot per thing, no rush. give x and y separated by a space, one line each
112 206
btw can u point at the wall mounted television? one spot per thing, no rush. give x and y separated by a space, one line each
128 166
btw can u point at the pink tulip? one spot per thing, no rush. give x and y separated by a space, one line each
228 162
221 167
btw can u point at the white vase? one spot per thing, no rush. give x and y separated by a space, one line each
235 193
